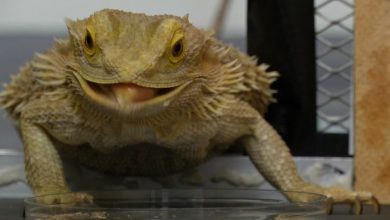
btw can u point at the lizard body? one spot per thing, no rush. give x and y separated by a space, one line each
147 96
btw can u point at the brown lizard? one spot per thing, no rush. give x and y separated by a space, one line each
142 95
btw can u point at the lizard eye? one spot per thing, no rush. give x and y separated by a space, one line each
176 49
89 42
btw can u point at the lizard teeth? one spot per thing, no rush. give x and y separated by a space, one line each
126 93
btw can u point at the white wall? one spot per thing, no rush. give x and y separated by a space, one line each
47 16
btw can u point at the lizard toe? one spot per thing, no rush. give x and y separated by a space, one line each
339 195
357 200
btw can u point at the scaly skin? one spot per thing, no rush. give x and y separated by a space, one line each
146 96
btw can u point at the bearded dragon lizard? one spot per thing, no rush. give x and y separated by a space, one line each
132 94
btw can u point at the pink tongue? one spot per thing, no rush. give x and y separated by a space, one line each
129 92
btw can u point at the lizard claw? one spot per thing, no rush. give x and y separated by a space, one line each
375 205
366 198
329 206
358 206
355 199
362 198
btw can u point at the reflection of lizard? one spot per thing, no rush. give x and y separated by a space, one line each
148 96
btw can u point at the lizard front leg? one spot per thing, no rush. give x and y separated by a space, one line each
44 168
272 158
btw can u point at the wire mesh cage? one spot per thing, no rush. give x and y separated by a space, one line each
334 25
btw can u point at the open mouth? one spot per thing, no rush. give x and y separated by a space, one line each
127 93
130 97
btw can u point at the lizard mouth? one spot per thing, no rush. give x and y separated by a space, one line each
128 93
129 96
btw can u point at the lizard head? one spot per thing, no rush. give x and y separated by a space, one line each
132 62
